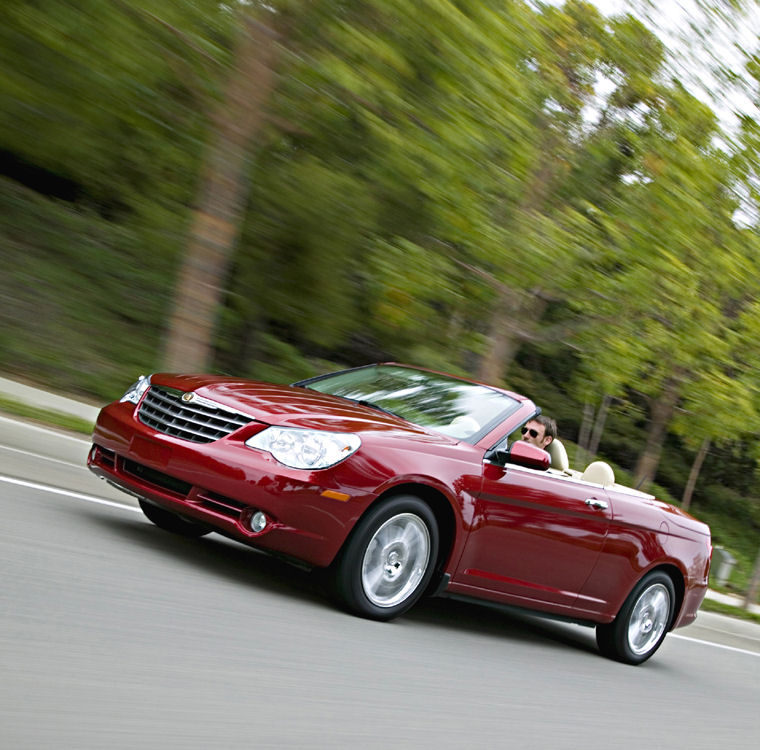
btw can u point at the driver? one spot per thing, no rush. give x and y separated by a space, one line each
540 431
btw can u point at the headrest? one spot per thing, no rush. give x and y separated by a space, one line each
558 455
599 472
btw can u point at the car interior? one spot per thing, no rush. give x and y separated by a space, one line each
597 472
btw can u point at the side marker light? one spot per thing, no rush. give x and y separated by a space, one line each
342 496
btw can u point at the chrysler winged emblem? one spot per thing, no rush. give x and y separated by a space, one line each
189 396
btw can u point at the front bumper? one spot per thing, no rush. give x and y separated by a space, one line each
223 483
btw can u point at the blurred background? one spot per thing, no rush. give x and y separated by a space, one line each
557 198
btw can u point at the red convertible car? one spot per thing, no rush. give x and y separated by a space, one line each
405 482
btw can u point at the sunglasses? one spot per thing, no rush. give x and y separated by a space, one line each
533 433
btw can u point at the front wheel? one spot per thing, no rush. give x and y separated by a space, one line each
169 521
389 558
642 623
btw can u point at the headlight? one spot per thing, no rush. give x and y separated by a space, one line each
305 449
135 391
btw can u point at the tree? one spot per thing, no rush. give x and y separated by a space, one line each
218 216
551 232
402 103
754 585
665 291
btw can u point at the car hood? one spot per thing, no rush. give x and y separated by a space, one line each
289 406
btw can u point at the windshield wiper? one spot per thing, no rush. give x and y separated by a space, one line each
364 402
360 401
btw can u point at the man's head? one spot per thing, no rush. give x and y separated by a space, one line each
540 431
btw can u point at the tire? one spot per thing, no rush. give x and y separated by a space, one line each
169 521
642 623
389 559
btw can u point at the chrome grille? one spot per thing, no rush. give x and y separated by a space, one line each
198 421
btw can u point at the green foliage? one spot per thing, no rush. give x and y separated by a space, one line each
283 363
80 296
735 536
110 93
303 250
729 502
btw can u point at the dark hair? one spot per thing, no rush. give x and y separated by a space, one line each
550 426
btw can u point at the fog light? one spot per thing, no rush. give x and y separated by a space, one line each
258 522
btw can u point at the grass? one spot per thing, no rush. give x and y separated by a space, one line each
710 605
46 416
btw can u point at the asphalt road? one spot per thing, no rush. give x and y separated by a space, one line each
114 634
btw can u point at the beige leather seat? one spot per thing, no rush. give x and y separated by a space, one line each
599 472
558 454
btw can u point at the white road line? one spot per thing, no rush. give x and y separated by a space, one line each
67 493
716 645
726 632
46 458
46 430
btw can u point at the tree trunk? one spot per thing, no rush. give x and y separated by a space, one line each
501 339
662 412
512 321
218 216
754 585
581 455
512 314
598 431
696 467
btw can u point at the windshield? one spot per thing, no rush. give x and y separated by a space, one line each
437 402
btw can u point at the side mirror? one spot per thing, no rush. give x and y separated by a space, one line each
528 455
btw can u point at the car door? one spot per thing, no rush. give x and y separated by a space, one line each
535 535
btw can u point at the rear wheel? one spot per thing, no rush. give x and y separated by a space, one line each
642 623
389 559
169 521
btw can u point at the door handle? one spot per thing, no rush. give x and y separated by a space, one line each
592 502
